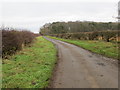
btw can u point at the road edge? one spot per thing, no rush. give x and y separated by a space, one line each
50 85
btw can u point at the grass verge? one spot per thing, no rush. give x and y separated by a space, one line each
100 47
30 68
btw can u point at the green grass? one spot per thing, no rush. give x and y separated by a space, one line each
30 68
100 47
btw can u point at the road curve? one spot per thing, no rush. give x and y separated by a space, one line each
79 68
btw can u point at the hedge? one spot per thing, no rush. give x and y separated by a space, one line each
13 40
97 35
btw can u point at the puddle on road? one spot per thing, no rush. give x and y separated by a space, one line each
101 64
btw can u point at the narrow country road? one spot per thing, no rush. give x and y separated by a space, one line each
79 68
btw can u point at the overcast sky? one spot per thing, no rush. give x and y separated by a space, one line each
32 14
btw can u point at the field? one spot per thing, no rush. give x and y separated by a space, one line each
104 48
30 68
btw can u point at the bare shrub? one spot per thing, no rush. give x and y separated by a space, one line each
13 40
104 35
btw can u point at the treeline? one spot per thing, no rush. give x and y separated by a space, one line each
14 40
73 27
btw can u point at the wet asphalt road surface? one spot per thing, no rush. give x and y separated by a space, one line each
79 68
